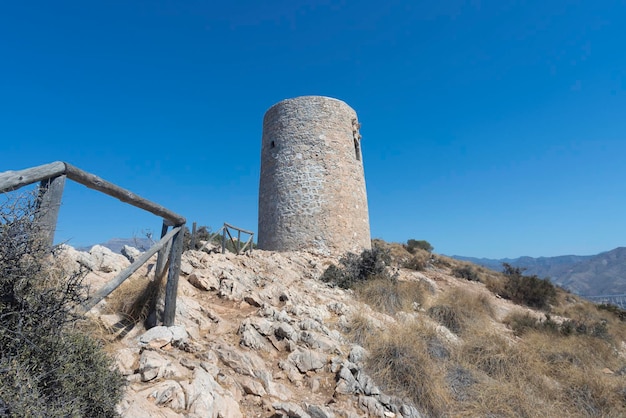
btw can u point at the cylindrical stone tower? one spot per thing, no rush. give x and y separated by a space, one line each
312 191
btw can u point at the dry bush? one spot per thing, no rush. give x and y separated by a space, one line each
462 311
496 398
577 363
493 355
418 261
360 329
467 272
47 367
136 298
595 395
400 361
521 323
391 296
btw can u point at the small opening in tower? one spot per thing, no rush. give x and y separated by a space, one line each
273 144
357 149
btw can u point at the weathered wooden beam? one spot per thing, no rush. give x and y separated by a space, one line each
216 233
12 180
232 241
125 274
162 257
238 229
248 242
48 204
171 288
96 183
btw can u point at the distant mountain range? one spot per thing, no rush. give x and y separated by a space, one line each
589 275
116 244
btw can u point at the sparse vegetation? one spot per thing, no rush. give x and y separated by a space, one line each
565 365
47 366
615 310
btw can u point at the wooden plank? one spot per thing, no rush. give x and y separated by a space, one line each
171 288
12 180
48 205
96 183
125 274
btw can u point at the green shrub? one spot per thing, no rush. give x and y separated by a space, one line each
412 245
358 268
528 290
522 323
47 368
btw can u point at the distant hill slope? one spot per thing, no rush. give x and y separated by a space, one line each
601 274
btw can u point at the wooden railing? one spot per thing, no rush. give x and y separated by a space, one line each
51 178
225 231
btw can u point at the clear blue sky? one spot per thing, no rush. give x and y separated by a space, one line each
490 128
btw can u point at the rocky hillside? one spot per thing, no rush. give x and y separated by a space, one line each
260 335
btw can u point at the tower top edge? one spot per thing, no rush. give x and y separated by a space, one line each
308 99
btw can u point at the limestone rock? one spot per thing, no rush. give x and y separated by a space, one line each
203 281
152 365
291 409
243 363
157 337
106 260
307 360
131 253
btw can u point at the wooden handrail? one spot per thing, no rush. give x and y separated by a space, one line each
11 180
52 178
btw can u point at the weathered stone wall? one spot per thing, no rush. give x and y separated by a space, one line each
312 192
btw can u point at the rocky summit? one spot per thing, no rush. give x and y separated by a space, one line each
260 335
257 335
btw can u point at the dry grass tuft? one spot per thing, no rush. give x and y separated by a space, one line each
361 329
399 359
462 311
391 296
136 298
493 355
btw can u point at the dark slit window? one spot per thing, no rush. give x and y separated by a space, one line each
357 149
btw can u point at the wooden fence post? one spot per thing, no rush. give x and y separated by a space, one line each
224 239
193 236
162 256
48 205
155 305
171 288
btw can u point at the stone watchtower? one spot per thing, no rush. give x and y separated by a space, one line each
312 191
